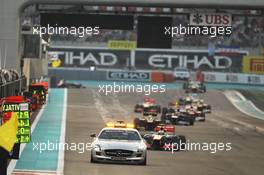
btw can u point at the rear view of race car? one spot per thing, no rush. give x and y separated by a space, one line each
181 115
148 107
148 122
164 139
194 87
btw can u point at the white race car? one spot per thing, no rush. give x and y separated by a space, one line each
119 143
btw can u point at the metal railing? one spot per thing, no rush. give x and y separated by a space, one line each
13 88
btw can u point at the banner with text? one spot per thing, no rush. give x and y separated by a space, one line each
149 59
253 64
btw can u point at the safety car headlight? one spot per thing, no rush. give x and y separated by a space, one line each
141 148
97 147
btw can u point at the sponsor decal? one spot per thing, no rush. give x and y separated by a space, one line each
192 59
121 44
119 75
253 64
163 61
81 58
210 77
210 19
231 78
254 79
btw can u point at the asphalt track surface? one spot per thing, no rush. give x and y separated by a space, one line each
88 110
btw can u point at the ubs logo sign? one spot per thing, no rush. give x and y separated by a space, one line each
210 19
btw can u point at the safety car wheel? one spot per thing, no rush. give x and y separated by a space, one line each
92 159
164 110
145 161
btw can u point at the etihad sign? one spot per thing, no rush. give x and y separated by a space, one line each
166 61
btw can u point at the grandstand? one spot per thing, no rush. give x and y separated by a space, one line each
247 26
247 32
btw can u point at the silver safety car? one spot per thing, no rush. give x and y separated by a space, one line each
119 144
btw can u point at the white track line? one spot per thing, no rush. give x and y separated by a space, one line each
60 166
104 113
27 172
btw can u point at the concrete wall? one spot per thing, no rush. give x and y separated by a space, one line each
9 23
35 68
71 74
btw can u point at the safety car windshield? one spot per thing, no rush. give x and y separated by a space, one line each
119 135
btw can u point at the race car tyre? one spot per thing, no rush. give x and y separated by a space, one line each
149 127
156 123
204 88
136 122
163 118
155 145
158 109
170 110
137 106
209 108
191 122
182 140
174 121
92 159
164 110
185 86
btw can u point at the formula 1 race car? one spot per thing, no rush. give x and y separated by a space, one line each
180 115
147 122
164 140
148 107
194 87
179 112
201 106
191 105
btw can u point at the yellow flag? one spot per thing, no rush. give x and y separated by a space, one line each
8 132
